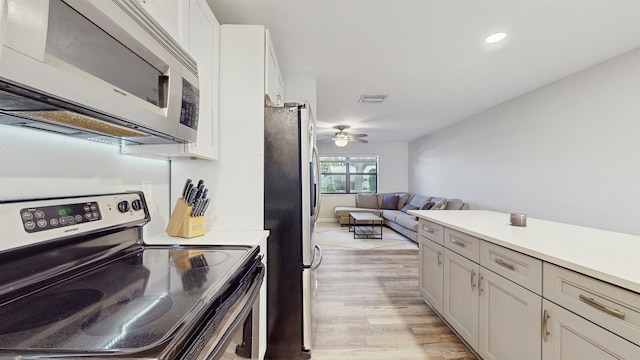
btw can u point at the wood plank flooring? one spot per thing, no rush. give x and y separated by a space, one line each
368 307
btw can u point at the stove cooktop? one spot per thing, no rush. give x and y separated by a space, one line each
137 302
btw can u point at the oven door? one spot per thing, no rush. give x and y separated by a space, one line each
237 336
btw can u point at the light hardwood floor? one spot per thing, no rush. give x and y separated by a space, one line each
368 305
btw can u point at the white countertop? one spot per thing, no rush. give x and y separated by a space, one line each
251 238
605 255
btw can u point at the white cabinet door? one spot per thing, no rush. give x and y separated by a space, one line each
279 88
461 296
569 337
199 34
204 45
168 15
273 84
431 272
509 319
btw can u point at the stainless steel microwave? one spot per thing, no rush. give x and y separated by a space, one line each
98 69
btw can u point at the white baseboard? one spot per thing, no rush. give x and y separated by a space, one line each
327 220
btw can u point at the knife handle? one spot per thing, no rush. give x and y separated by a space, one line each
185 189
205 206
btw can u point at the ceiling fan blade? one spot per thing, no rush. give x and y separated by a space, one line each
358 135
356 140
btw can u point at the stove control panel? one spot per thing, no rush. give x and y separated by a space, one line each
31 221
51 217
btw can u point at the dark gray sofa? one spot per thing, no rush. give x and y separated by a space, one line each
394 213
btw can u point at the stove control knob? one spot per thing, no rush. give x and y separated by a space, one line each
136 204
123 206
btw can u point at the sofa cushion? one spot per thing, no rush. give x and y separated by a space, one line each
407 221
392 214
369 201
440 205
390 202
454 204
409 207
426 206
419 200
403 200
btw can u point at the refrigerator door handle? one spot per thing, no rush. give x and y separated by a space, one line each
317 199
314 264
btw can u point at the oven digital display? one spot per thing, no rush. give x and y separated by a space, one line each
51 217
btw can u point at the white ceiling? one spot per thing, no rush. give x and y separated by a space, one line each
430 55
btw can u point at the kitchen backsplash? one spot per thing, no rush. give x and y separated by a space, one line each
39 164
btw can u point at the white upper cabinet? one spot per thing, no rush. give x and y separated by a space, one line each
194 26
274 85
203 34
166 13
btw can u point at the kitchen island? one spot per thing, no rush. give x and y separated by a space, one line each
543 286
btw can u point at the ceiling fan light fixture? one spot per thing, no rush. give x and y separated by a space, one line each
372 99
342 142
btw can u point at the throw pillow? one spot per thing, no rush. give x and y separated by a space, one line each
402 200
367 201
427 205
440 206
409 207
390 202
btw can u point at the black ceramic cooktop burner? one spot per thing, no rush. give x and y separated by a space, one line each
108 320
45 309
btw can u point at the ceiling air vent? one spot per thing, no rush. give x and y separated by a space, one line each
372 99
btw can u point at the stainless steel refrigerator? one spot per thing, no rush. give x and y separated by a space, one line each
291 200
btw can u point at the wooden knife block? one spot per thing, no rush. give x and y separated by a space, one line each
181 223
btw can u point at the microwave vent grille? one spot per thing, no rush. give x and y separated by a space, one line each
83 122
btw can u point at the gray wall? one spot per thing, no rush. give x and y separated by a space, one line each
567 152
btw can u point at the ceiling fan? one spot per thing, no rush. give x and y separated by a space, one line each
342 138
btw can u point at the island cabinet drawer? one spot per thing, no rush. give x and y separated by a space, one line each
522 269
431 230
463 244
612 307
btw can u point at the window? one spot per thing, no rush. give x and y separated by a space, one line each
359 172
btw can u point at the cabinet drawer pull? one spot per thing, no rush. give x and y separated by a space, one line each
427 229
545 333
617 313
504 264
459 243
473 283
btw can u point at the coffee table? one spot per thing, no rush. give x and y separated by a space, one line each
364 225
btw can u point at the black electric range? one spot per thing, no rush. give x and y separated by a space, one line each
78 281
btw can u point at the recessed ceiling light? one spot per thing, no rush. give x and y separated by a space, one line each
376 99
495 37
